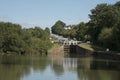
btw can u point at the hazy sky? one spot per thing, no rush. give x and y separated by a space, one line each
45 13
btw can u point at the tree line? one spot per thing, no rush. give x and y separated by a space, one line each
102 29
15 39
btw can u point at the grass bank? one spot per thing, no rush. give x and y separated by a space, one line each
91 47
54 47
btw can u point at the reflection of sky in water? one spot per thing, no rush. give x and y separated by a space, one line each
49 74
76 69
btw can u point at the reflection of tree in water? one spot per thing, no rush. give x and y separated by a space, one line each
98 75
39 63
11 70
57 67
105 65
14 68
97 71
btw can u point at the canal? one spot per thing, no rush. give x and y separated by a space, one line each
58 68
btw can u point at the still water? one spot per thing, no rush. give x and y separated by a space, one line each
60 68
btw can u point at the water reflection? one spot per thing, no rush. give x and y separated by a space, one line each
105 65
70 63
12 69
44 68
99 70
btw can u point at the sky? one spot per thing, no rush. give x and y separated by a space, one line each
44 13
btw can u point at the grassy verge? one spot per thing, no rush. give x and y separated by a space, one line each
55 46
91 47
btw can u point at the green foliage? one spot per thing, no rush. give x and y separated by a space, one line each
58 28
10 39
117 4
69 33
15 39
47 30
81 31
102 16
106 36
104 26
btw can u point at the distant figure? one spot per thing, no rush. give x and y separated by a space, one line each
107 49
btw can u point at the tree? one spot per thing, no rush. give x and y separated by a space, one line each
106 36
81 31
58 27
104 26
102 16
15 39
117 4
47 30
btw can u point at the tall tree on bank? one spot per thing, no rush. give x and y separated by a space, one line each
81 31
104 25
102 16
58 27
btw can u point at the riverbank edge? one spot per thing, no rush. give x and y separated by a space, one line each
91 47
100 52
54 47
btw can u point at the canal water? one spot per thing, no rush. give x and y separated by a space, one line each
58 68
